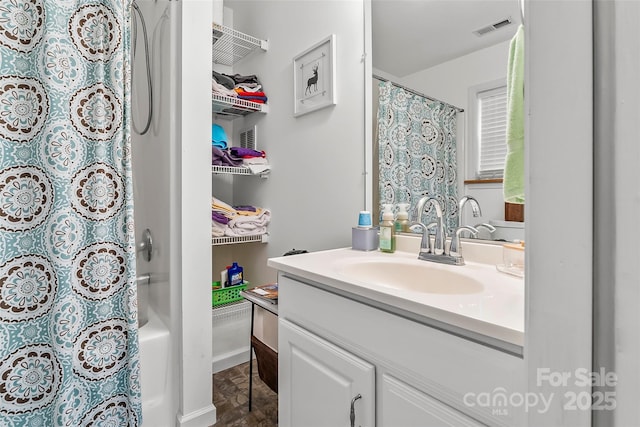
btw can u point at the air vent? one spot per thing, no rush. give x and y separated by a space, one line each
248 138
489 28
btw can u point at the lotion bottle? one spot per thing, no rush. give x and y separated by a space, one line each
387 230
402 218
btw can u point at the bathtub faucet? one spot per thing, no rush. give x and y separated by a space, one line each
143 279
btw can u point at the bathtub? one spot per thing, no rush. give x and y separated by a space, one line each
155 372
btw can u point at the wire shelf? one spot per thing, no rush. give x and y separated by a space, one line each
225 240
235 107
234 170
232 310
229 45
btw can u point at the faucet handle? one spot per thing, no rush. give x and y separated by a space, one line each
455 249
425 244
489 227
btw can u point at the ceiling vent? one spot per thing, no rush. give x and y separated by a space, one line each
489 28
248 138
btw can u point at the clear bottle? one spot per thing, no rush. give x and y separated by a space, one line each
387 230
402 218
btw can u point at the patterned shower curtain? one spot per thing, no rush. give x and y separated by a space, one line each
68 315
417 152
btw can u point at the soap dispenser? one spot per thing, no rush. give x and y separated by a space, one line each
387 230
402 218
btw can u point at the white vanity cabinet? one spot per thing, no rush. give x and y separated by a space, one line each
403 405
323 382
334 345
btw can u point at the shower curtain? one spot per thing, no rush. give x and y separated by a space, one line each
68 315
417 152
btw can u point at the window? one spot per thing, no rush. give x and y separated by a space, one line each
488 127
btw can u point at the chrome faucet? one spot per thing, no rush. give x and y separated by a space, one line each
437 252
475 207
440 236
455 250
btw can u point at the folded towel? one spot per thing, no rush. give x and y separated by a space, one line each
238 232
221 145
224 157
249 212
259 169
250 222
224 80
513 182
246 152
218 136
218 205
221 90
258 99
257 165
219 218
242 93
240 79
246 208
246 161
249 87
217 229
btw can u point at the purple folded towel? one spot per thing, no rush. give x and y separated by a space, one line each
224 157
253 98
246 208
218 217
245 152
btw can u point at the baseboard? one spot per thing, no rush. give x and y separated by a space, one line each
203 417
230 359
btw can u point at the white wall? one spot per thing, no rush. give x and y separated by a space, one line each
192 167
451 80
316 186
151 157
559 232
151 152
617 160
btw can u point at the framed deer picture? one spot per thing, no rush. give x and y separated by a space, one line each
314 82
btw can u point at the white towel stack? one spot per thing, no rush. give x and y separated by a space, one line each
241 223
247 225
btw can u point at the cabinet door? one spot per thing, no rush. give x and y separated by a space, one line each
318 382
406 406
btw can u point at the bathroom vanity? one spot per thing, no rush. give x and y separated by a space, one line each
369 338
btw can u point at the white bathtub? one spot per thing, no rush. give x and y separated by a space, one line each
155 372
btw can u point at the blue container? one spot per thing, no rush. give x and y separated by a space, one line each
234 275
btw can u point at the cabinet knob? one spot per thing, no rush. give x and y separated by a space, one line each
352 415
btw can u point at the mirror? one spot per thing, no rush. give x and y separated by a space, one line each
445 49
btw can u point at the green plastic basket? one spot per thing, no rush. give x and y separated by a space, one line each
222 296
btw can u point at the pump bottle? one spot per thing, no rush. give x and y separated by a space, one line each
387 230
402 218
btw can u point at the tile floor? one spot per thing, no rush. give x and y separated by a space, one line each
230 397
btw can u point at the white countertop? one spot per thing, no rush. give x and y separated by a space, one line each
494 315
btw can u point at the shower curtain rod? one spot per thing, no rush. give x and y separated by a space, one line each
375 76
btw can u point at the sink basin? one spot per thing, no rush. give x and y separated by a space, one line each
410 275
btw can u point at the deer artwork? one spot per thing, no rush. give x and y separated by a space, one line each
313 81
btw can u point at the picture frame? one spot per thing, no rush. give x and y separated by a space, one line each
314 77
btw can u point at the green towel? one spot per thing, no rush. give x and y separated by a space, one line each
514 162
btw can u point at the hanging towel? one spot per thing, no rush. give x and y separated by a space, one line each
514 162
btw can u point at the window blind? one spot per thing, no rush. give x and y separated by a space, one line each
492 106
